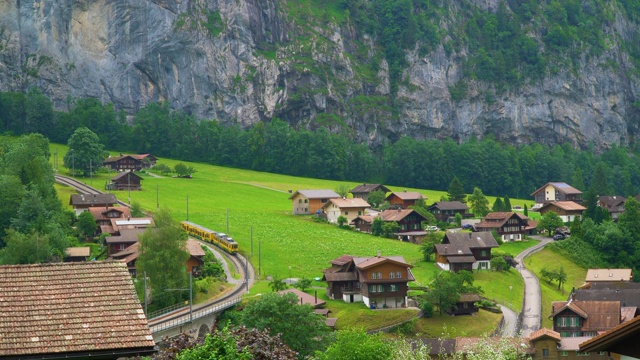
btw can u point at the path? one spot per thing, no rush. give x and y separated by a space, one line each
532 310
510 325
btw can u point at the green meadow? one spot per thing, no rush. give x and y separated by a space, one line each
253 207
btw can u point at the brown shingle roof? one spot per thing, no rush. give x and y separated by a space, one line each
348 203
461 259
480 239
316 194
70 308
450 205
598 315
83 251
125 174
468 297
544 332
92 199
407 195
376 260
609 275
367 188
453 249
564 205
126 236
193 248
399 214
304 298
100 212
340 276
613 336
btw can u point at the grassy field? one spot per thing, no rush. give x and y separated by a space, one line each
446 326
516 247
506 287
551 260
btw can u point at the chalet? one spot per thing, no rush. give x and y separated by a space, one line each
73 254
363 223
466 305
567 210
556 191
613 204
511 226
379 282
193 265
409 220
446 210
608 275
363 191
196 256
584 318
123 240
310 201
548 344
128 256
104 215
91 298
82 202
629 298
465 251
404 199
129 162
620 342
125 181
349 208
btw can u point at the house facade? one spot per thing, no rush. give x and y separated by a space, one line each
446 210
466 304
125 181
576 318
459 249
363 191
305 202
511 226
129 162
349 208
549 345
556 191
379 282
404 199
82 202
566 210
613 204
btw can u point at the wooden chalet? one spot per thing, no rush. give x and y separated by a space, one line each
446 211
620 342
584 318
130 254
466 305
379 282
349 208
409 220
404 199
511 226
613 204
125 181
567 210
122 241
82 202
104 215
196 256
608 276
311 201
363 223
465 251
363 191
548 344
556 191
75 310
130 162
74 254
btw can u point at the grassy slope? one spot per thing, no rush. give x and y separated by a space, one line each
260 201
551 260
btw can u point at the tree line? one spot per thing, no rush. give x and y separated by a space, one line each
274 146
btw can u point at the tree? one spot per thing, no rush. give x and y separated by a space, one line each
376 226
578 180
376 198
428 245
458 219
343 190
276 284
456 191
498 263
86 225
162 169
561 277
342 220
479 203
31 248
183 170
86 153
136 210
162 257
576 228
357 345
526 210
600 183
550 221
497 205
389 228
303 284
300 328
221 345
444 291
506 203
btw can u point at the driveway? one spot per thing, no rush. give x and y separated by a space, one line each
532 311
510 322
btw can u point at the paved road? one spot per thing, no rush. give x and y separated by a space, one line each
510 322
532 316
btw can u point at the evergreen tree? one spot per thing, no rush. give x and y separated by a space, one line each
507 203
578 180
479 203
456 191
497 205
526 210
600 183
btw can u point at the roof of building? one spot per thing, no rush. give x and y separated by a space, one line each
126 236
112 159
367 188
563 205
365 218
78 308
560 186
316 194
92 199
407 195
100 212
627 297
304 298
133 222
449 205
399 214
611 201
461 259
544 332
598 315
127 255
367 263
606 285
340 276
453 249
323 312
83 251
480 239
469 297
348 203
572 343
125 174
342 260
609 339
193 248
609 275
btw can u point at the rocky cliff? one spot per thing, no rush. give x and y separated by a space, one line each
251 60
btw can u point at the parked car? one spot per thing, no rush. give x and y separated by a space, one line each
432 228
558 237
467 226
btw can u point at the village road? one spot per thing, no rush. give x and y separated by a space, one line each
532 311
510 325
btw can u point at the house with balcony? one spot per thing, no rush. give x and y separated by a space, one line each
307 202
511 226
378 282
363 191
465 251
404 199
555 191
349 208
446 210
566 210
576 318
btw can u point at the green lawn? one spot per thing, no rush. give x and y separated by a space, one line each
516 247
551 260
446 326
506 287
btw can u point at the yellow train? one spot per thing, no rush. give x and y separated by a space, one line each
220 240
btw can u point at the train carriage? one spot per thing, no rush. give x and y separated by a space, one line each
220 240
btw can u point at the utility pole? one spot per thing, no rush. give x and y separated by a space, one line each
259 258
187 207
73 160
55 161
190 295
227 221
145 293
246 271
91 171
129 185
251 254
157 201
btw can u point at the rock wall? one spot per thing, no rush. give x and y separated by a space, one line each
241 61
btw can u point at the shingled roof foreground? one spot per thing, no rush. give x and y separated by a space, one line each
71 309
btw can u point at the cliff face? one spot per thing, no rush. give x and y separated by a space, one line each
244 61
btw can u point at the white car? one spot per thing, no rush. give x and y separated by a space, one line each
432 228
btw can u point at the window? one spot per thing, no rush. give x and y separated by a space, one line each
306 201
359 212
376 275
299 201
393 287
376 288
392 275
545 352
323 200
346 213
564 353
398 275
579 353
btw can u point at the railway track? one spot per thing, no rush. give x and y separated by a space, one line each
81 187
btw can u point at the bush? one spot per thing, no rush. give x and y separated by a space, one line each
427 308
